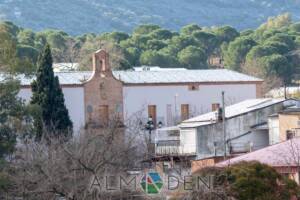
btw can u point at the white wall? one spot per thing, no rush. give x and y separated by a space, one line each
74 99
137 98
274 137
188 141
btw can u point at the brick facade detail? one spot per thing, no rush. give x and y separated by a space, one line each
103 94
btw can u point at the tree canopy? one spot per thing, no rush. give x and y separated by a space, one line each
48 96
249 181
191 47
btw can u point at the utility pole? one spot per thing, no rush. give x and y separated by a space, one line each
223 123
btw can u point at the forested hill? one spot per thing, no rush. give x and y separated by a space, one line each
81 16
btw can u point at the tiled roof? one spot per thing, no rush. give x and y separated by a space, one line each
231 111
278 155
183 76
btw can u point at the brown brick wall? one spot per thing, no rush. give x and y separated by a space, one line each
102 90
197 165
259 92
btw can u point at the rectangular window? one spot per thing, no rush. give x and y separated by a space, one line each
215 106
152 113
104 115
193 87
184 112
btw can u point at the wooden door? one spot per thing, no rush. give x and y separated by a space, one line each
104 115
152 113
184 112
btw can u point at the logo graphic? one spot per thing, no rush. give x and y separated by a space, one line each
151 183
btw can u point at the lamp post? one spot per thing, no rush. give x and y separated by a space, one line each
150 127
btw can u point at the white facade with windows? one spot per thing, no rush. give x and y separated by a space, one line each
173 95
169 96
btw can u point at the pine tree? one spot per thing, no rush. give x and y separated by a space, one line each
54 117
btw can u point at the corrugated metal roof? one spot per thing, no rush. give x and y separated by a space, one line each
183 76
280 155
150 77
230 111
65 78
156 68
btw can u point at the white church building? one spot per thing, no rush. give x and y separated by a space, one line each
169 96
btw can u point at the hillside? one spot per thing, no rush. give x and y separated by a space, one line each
81 16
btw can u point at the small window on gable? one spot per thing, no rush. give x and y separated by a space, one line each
193 87
102 64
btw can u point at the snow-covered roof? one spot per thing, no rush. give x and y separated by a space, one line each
231 111
65 78
278 155
152 77
183 76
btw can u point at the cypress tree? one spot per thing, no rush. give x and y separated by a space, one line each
54 117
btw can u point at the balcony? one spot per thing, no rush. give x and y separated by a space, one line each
167 142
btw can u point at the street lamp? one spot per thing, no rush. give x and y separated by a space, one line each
150 127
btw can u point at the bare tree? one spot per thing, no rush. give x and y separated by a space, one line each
64 170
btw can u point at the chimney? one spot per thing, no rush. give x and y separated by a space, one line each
101 62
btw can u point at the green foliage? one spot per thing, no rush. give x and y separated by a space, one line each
150 44
11 116
208 40
8 50
278 65
47 94
236 52
26 51
252 181
156 58
145 29
193 58
116 36
56 39
161 34
277 22
15 121
295 27
155 44
260 51
9 27
189 29
132 54
26 37
226 33
284 38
